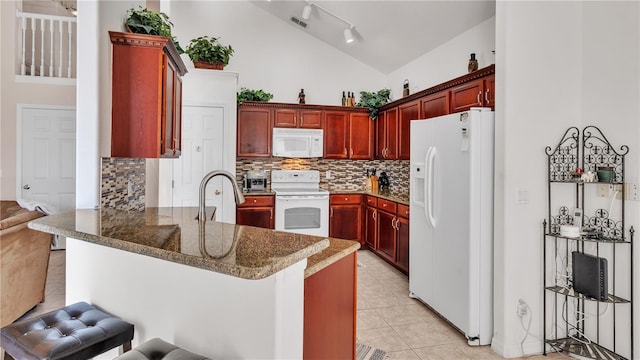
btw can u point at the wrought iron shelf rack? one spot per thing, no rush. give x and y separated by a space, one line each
575 322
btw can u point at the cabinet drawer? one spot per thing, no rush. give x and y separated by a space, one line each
403 211
346 199
257 201
372 200
387 205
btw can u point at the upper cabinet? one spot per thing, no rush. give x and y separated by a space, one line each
254 130
146 96
298 118
348 135
406 112
476 89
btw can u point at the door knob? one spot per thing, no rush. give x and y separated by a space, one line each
217 192
26 187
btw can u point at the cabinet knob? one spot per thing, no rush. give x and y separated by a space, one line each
345 199
26 187
217 192
255 201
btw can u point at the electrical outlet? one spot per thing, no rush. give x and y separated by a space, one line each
522 309
632 191
328 174
607 190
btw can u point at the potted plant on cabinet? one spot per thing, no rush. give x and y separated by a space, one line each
373 101
253 95
145 21
207 53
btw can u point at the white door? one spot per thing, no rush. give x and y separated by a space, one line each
48 156
202 149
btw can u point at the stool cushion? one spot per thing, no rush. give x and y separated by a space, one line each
158 349
78 331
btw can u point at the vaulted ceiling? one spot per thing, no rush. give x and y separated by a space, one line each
388 34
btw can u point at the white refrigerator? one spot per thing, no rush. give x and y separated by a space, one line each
451 232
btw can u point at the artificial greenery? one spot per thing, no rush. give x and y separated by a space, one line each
209 50
145 21
373 101
253 95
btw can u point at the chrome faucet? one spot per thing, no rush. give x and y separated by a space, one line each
202 217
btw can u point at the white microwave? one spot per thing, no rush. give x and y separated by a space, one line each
297 143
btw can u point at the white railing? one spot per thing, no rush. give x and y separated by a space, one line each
47 45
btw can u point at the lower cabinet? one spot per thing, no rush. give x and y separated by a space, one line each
387 231
257 210
402 238
330 311
345 217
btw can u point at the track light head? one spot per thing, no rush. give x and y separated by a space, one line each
306 12
348 35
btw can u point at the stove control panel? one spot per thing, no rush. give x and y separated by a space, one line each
295 176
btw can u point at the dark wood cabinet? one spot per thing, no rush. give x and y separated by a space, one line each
435 105
348 135
490 91
336 135
387 135
256 211
330 311
402 238
345 217
406 112
466 96
254 131
146 96
386 235
360 136
310 119
371 227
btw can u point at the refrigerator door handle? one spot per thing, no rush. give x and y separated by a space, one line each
430 186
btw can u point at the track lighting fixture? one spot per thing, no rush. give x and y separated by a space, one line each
348 35
348 32
306 12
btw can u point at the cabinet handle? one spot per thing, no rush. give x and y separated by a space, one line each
271 210
486 96
294 119
393 222
331 212
350 152
374 214
478 98
345 151
384 152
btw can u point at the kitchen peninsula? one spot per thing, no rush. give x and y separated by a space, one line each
221 290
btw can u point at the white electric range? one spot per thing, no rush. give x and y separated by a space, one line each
301 206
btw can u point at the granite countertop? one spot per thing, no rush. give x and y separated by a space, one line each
172 234
337 249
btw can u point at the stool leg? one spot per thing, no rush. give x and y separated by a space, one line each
126 346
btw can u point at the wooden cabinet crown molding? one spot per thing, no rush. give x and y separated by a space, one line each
480 73
153 41
276 105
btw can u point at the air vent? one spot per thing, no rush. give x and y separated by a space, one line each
299 22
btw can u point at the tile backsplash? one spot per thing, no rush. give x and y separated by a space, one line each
122 183
345 174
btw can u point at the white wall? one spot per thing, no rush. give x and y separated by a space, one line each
14 93
447 61
580 68
273 55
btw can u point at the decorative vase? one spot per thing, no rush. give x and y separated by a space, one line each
473 63
211 66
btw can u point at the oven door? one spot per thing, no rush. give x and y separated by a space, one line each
303 214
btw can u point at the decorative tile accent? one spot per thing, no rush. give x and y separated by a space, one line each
119 175
345 174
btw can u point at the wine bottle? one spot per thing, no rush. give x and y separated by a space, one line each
344 99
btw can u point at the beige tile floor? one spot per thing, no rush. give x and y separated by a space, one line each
387 318
390 320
